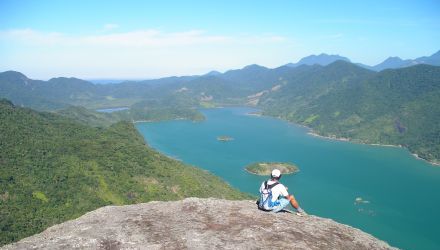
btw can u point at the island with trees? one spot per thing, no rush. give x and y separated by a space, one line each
265 168
224 138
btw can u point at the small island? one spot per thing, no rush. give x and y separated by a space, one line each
265 168
224 138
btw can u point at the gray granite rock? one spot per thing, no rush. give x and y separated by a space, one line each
198 224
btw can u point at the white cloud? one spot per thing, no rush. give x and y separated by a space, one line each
136 54
150 37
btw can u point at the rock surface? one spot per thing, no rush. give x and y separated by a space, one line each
198 224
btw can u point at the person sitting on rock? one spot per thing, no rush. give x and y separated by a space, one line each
274 196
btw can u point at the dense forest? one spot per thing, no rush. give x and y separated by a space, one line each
54 168
399 107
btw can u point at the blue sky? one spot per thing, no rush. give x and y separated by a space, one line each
149 39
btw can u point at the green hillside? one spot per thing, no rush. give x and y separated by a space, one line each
400 107
54 169
341 99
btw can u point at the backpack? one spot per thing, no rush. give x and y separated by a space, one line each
265 200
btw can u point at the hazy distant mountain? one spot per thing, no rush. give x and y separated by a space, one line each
434 59
322 59
213 73
397 62
393 63
390 63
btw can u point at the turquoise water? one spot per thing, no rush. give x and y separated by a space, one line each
402 192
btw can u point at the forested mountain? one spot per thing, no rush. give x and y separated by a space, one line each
311 83
54 169
229 87
400 107
340 99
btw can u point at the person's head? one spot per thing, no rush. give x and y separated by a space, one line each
276 174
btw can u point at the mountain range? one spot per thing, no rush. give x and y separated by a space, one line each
340 99
389 63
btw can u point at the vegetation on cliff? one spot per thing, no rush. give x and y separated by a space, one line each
54 169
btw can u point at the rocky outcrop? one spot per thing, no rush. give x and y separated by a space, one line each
198 224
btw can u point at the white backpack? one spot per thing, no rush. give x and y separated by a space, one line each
265 201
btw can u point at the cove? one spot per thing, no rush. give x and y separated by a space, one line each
400 194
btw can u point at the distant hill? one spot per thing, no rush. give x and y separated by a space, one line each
213 73
54 169
434 59
63 93
221 88
394 106
396 62
322 59
294 93
389 63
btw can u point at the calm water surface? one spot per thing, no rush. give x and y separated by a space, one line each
400 193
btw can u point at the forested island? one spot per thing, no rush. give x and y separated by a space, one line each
224 138
265 168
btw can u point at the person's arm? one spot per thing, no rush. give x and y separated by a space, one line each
292 200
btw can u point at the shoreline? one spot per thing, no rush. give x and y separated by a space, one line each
175 119
311 132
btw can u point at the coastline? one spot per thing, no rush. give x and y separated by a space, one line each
311 132
175 119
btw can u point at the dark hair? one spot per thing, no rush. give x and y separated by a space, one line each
276 178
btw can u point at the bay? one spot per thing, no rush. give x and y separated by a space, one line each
399 193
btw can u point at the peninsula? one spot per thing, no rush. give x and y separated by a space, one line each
265 168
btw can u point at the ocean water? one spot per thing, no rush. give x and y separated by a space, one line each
399 195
